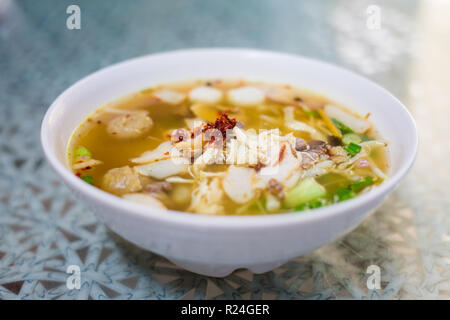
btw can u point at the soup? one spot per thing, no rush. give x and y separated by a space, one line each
228 147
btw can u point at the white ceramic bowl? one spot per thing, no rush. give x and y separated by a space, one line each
217 245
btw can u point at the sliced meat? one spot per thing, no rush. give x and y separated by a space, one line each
211 155
309 159
191 147
163 168
207 197
301 145
280 170
317 146
164 151
237 184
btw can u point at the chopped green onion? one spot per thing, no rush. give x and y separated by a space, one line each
360 185
351 137
310 205
314 114
88 179
344 194
352 189
342 127
305 191
81 152
365 138
353 149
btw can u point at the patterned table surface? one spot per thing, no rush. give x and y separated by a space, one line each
43 228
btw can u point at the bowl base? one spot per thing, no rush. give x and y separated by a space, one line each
220 270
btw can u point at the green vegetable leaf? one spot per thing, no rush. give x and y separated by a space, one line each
360 185
353 149
310 205
80 152
88 179
352 189
344 194
307 190
342 127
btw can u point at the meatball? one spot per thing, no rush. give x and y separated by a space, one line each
121 181
130 125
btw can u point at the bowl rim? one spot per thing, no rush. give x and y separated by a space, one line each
225 221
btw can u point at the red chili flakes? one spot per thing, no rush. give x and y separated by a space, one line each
258 166
223 123
166 153
78 174
99 121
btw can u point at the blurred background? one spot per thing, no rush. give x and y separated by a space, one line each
43 229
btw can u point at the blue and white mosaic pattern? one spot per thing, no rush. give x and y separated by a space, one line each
43 229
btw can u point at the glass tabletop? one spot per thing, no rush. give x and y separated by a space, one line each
402 45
